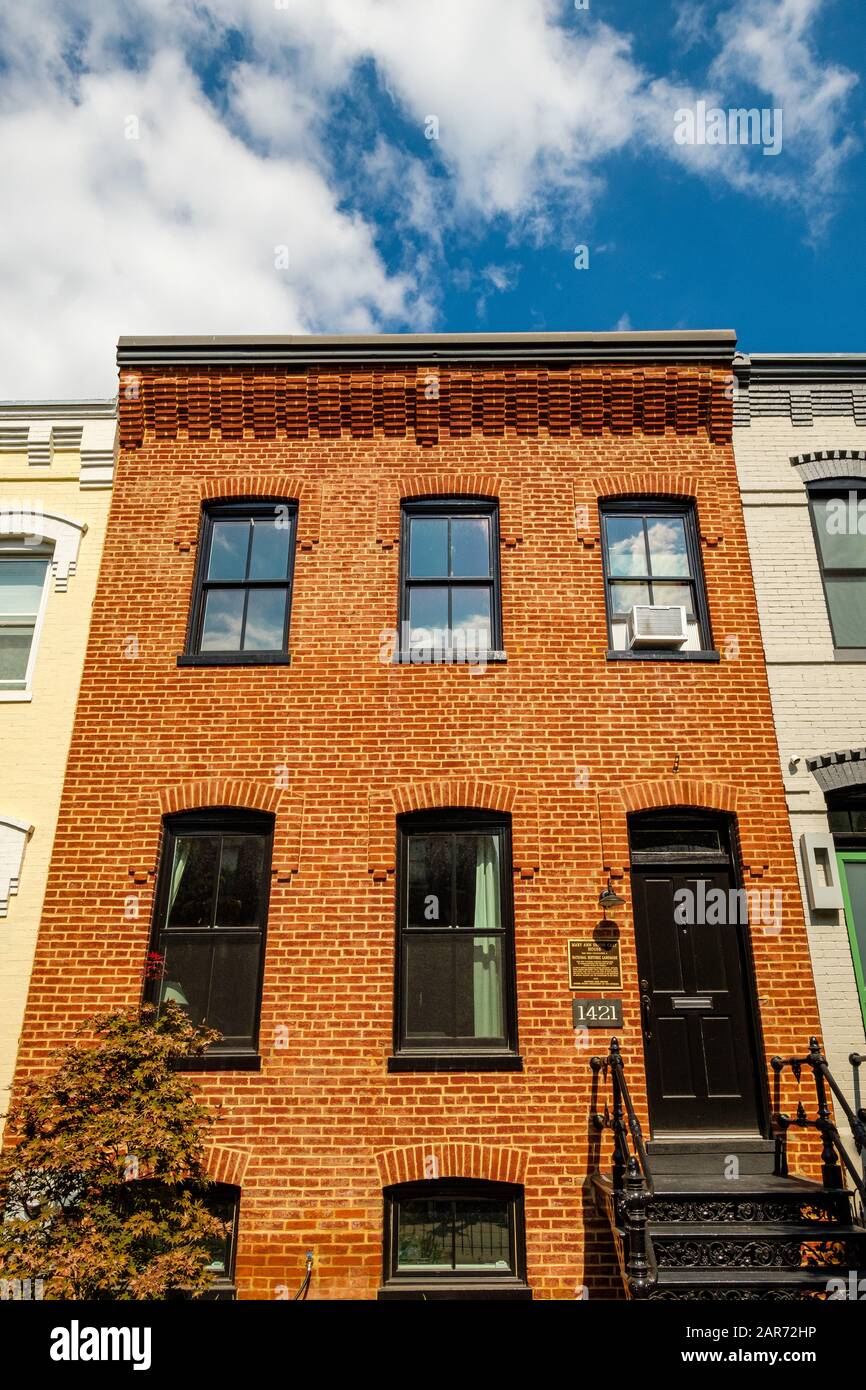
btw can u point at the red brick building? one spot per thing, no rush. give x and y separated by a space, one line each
385 685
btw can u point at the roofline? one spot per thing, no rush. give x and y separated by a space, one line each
102 407
782 367
714 345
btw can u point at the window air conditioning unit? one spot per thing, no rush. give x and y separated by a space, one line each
650 626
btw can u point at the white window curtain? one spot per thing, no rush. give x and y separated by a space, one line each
487 955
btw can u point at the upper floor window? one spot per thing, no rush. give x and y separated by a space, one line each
23 573
211 913
654 585
243 586
449 583
838 509
455 956
454 1235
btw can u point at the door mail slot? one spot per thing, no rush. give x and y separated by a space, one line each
695 1001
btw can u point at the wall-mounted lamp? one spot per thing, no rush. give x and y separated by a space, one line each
609 900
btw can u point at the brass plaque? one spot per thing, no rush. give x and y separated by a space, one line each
593 963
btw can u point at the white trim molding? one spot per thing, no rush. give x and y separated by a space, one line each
40 429
28 519
14 835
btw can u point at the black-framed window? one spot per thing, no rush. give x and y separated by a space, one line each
652 557
846 811
207 948
455 990
450 599
243 585
223 1202
460 1236
838 510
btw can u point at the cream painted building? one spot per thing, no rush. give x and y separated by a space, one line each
56 471
800 445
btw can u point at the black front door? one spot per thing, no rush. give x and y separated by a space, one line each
695 1003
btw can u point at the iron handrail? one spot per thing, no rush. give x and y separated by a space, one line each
833 1148
633 1185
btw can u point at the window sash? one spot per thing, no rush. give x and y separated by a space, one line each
450 510
645 510
455 1195
205 584
19 621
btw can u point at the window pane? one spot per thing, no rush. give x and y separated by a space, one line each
470 546
626 550
21 583
191 887
855 877
270 554
478 882
625 596
470 619
429 889
424 1235
838 525
234 991
223 619
186 976
680 594
454 987
428 547
429 986
228 550
846 599
240 881
481 1238
428 616
266 620
667 545
15 643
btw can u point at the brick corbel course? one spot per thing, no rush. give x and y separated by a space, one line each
450 1160
456 793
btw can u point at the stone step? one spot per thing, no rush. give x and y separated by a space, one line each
713 1157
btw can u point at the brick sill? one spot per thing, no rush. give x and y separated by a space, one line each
455 1061
430 1292
234 659
663 656
220 1061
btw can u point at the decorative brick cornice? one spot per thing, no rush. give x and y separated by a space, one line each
227 1165
456 793
307 494
147 815
445 1159
615 806
426 401
392 492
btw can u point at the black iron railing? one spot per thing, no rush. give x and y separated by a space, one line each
832 1148
633 1186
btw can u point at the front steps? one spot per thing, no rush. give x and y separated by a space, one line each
750 1236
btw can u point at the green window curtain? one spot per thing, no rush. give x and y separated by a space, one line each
487 953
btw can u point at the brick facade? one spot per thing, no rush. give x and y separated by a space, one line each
338 743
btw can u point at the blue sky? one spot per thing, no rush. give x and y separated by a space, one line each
176 166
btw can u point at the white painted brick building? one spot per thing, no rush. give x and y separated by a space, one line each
800 432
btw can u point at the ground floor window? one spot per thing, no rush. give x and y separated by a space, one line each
454 1238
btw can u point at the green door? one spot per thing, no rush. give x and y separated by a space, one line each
852 870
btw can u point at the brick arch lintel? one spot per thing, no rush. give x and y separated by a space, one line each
688 792
227 1165
453 793
307 493
391 492
639 483
286 806
830 463
446 1159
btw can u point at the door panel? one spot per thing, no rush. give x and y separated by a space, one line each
698 1033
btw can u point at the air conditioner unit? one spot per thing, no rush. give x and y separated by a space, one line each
650 626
